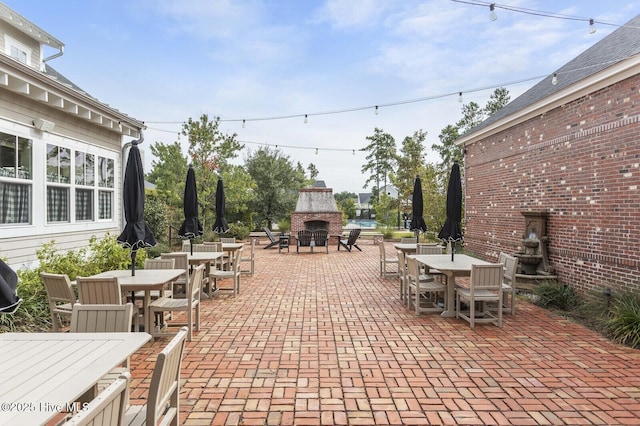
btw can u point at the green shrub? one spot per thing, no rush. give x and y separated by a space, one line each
239 231
552 294
623 324
102 255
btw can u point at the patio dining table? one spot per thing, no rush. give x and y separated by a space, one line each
144 280
44 373
459 267
406 248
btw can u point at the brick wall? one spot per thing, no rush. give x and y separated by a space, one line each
581 162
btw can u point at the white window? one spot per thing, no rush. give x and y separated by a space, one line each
106 178
16 184
58 183
93 176
17 50
85 181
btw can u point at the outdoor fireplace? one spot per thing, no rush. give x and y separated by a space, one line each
316 209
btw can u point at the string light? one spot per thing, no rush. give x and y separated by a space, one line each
554 79
305 119
397 103
492 14
316 151
459 96
592 26
244 122
376 110
493 6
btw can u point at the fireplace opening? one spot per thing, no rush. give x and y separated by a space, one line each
316 225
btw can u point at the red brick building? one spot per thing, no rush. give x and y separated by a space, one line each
571 149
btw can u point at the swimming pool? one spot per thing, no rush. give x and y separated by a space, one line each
362 223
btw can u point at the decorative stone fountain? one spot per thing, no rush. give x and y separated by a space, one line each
533 260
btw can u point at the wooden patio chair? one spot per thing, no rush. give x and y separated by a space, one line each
273 241
163 400
384 261
351 241
407 240
304 239
233 273
103 319
250 259
190 304
402 274
485 285
60 295
423 289
227 240
509 282
103 291
181 261
321 239
107 408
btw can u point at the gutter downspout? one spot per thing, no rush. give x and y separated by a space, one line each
125 148
55 55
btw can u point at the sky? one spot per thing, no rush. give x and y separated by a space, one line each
270 62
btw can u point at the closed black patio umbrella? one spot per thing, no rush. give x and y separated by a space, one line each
451 230
417 222
220 226
191 227
9 300
136 233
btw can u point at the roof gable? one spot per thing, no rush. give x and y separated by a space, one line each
621 44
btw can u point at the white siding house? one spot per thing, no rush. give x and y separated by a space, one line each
61 151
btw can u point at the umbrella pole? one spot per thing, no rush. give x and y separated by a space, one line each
191 245
133 263
453 249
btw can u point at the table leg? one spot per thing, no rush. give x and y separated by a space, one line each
450 307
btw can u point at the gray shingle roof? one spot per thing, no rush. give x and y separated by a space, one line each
617 46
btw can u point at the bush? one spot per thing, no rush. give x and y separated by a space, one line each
102 255
239 231
623 323
556 295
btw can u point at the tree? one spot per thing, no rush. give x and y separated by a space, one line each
346 203
313 171
472 115
381 159
277 184
209 151
410 164
168 172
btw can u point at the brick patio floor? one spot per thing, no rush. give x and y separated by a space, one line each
322 339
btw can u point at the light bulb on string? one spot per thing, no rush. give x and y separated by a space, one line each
305 119
492 14
376 111
316 151
554 79
460 97
592 26
354 152
244 122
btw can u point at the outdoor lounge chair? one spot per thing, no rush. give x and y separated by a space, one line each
304 240
321 239
350 242
273 241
